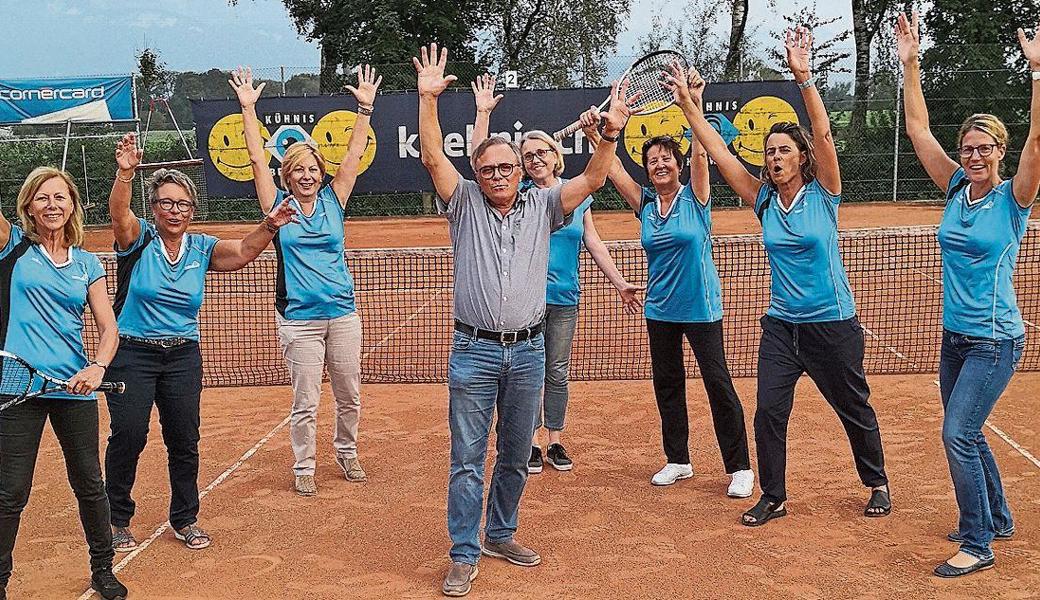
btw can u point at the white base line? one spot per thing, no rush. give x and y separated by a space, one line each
242 459
889 348
1011 442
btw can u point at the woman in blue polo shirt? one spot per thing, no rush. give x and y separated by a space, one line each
684 297
983 332
543 165
46 282
161 271
318 324
810 325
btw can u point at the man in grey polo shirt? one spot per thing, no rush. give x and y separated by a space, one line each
500 239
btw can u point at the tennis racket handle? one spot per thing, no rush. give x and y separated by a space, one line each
566 131
112 386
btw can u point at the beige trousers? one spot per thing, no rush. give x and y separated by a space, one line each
308 347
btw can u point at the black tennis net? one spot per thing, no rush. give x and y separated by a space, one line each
404 298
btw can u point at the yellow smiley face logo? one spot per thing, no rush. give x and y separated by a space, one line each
640 128
227 148
332 133
754 120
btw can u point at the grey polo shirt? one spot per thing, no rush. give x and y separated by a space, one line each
501 262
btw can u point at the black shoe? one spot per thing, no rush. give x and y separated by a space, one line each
107 585
947 570
535 464
556 456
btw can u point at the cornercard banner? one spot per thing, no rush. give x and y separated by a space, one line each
740 112
79 99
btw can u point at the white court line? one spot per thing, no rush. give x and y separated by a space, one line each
249 454
887 347
1010 441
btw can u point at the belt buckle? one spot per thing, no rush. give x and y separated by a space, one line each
505 335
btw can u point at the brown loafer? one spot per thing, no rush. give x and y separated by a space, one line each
512 551
459 579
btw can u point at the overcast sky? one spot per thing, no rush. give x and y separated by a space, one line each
93 37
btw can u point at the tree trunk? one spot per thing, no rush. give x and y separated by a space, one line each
328 81
738 23
863 30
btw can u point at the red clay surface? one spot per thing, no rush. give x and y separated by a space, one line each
602 529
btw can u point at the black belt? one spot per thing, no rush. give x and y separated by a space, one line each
158 342
504 337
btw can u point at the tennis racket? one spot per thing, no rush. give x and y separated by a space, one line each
18 380
644 78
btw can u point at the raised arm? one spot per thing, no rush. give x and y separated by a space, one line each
125 226
629 292
743 183
798 44
595 175
232 255
631 191
937 164
365 92
486 101
431 82
1027 180
5 231
242 81
688 90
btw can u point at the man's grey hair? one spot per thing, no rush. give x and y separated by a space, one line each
494 140
163 176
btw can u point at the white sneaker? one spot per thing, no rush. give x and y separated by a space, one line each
742 484
671 473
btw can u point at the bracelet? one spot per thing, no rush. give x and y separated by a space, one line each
129 179
94 362
271 227
808 83
1036 75
365 110
608 138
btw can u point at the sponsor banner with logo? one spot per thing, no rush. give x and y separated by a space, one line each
79 99
741 112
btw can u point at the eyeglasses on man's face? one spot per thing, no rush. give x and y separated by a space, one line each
502 169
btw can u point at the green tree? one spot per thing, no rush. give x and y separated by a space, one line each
827 54
552 43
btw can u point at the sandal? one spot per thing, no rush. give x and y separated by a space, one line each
123 540
879 505
763 512
194 538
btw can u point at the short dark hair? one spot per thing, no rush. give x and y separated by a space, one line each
668 143
803 139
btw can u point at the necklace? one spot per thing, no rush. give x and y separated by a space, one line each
171 253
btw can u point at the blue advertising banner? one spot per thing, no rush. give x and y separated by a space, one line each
741 112
80 99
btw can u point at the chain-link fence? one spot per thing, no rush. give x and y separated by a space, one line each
877 160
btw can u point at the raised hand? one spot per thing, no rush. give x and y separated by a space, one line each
798 44
128 155
677 81
283 214
616 117
908 38
430 71
1031 47
629 293
590 124
242 82
368 83
484 93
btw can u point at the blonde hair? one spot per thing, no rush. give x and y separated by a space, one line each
32 185
988 124
295 154
541 136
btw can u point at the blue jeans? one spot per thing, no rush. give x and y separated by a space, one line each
560 322
484 375
973 372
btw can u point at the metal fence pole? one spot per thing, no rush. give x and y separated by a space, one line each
895 159
282 69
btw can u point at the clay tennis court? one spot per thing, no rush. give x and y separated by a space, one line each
602 529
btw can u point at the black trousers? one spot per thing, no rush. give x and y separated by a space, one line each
75 424
831 353
669 372
171 380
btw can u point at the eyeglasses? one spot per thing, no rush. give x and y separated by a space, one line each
503 170
540 154
182 205
984 150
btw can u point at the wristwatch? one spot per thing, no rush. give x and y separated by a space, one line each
808 83
94 362
1036 75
